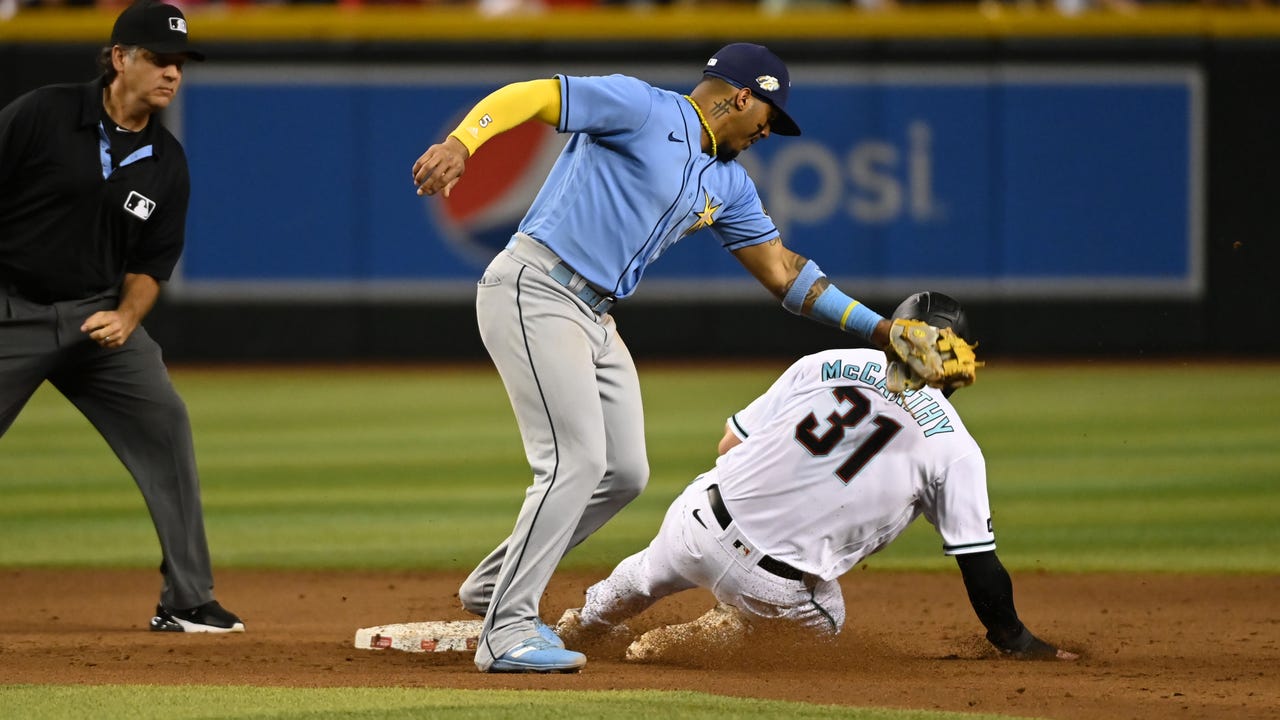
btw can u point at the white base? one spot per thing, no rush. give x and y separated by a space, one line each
436 636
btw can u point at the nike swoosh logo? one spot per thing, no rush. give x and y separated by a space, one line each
695 517
672 137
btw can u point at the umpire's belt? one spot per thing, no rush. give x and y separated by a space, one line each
766 563
599 302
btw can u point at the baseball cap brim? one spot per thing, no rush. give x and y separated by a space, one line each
782 124
156 26
174 48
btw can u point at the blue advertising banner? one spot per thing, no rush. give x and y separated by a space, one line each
1000 181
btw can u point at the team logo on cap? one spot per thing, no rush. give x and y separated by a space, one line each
768 83
178 24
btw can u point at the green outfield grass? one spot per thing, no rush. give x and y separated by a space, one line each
1174 467
166 703
1092 467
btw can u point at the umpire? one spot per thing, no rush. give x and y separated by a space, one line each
93 204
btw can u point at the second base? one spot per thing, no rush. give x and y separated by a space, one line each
435 636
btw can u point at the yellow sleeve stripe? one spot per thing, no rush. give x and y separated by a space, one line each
845 317
507 107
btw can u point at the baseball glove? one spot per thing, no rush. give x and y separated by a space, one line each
920 355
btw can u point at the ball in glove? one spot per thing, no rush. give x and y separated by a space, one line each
920 355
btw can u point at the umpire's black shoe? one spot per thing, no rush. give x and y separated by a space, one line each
208 618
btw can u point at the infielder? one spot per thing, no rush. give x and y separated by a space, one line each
644 168
93 204
822 470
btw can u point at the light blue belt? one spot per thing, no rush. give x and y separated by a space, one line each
599 303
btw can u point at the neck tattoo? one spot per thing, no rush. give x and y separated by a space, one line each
705 126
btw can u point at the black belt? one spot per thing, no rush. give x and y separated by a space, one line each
40 297
29 295
766 563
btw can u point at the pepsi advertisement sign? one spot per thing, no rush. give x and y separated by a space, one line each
995 181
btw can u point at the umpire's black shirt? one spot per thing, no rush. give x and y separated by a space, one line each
82 202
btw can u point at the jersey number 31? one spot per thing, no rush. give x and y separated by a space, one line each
823 444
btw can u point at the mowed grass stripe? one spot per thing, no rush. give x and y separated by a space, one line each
140 702
1094 466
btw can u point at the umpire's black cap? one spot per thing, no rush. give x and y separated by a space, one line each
756 68
156 26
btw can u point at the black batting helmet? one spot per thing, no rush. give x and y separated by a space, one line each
938 310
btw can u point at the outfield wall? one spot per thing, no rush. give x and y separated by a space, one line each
1097 185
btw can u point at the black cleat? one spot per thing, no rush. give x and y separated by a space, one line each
207 618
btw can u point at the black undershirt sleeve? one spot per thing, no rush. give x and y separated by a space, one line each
991 594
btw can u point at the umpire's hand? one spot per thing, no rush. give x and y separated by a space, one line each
109 328
440 167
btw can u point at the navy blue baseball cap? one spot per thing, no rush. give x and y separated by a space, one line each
756 68
156 26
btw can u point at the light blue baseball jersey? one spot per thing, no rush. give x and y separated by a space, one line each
633 181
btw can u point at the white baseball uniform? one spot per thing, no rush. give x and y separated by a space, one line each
831 468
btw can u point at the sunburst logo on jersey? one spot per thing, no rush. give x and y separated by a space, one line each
707 216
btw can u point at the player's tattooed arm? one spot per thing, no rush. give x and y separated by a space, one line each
797 263
805 290
773 265
817 288
778 269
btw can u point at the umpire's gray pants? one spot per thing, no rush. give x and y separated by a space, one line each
576 396
126 394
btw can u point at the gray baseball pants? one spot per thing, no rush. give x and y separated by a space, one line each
126 394
575 393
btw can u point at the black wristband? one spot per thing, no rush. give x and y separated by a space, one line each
1011 643
1023 645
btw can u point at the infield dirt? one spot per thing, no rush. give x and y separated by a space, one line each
1154 646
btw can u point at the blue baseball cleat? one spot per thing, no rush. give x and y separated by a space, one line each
536 655
545 631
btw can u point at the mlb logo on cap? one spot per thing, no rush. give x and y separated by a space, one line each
156 26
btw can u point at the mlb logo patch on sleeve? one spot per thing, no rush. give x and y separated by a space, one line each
139 205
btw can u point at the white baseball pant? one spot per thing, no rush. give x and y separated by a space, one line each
691 550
